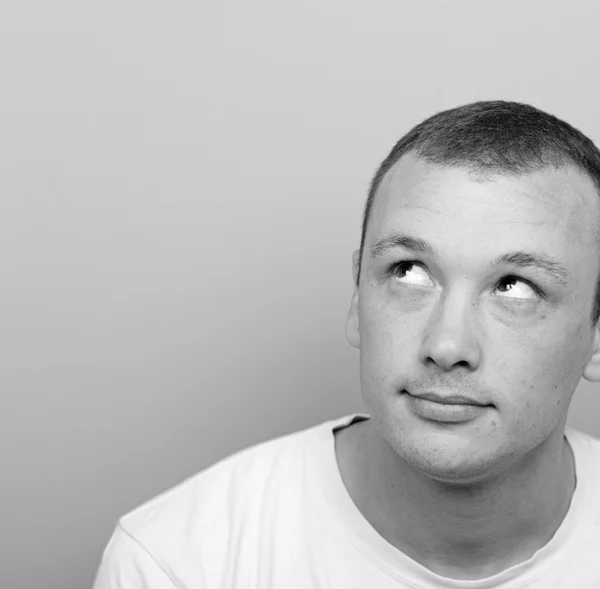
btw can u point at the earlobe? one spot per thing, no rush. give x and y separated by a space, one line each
352 323
591 371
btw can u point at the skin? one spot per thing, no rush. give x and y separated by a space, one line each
470 499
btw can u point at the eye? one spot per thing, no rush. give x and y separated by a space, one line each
525 290
510 287
405 272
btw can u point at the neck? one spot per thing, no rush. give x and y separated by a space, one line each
462 532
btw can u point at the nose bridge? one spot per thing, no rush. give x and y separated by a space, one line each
451 336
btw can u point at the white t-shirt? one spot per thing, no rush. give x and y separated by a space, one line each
277 515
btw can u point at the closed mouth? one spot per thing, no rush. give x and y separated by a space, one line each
448 400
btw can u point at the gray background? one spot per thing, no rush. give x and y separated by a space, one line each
180 194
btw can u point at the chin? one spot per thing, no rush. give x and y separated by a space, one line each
450 469
446 455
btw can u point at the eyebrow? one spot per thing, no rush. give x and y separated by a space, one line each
521 259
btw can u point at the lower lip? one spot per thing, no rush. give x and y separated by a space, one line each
442 412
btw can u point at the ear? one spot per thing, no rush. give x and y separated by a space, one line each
591 371
352 326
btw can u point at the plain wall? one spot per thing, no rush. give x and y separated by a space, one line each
180 194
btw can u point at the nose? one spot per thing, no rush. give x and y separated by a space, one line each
451 335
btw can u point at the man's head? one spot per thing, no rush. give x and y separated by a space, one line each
477 276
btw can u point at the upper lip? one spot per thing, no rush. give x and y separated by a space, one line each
448 400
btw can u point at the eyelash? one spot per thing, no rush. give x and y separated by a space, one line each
393 267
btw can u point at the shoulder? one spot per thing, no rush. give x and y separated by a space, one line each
211 496
216 492
193 529
183 536
210 504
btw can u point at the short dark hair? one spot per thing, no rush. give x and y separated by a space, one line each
489 138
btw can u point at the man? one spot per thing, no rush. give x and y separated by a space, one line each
476 314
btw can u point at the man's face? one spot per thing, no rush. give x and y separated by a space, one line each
511 338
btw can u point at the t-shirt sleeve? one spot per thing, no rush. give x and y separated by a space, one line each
126 564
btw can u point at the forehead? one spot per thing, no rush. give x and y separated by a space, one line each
557 209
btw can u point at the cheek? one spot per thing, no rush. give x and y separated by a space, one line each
538 374
387 343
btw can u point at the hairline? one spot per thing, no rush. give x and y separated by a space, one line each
476 173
